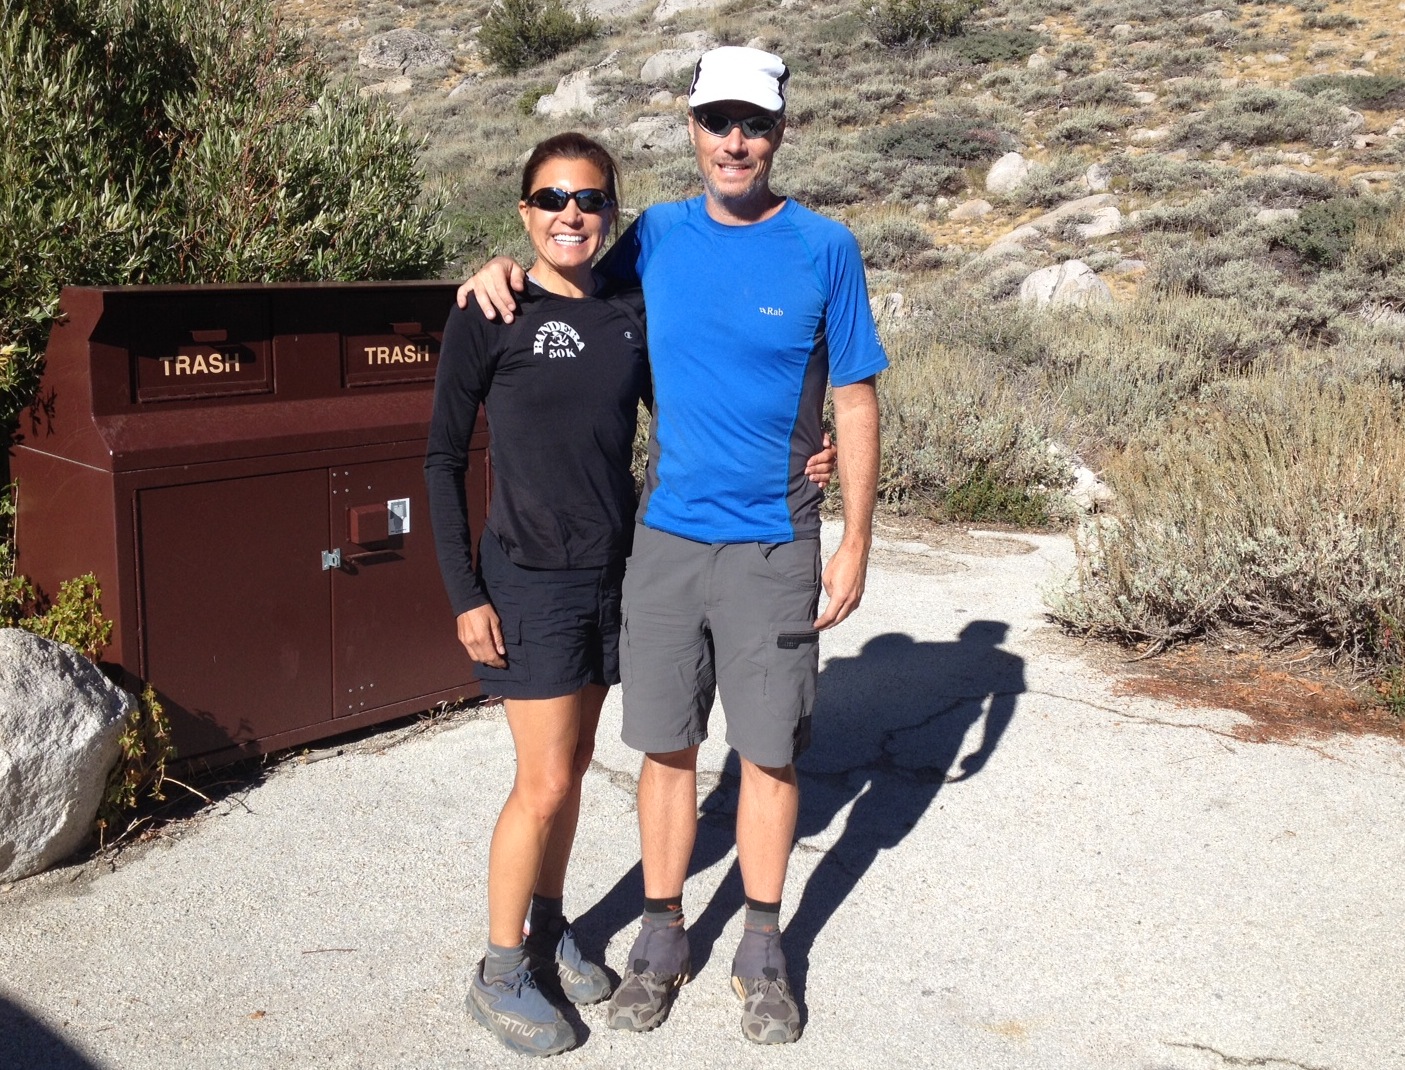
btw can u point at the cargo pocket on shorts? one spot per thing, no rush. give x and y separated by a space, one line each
794 564
792 668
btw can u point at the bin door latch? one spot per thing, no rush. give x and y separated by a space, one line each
331 559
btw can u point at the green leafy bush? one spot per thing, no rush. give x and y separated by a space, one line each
1262 116
952 141
918 22
1376 91
152 141
996 46
1324 233
522 33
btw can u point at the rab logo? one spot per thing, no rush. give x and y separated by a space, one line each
767 310
557 341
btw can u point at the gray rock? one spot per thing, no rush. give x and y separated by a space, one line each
1397 129
1098 178
1276 59
611 8
391 87
1037 62
350 25
1089 492
1144 136
973 209
574 95
1270 216
1105 221
658 133
661 99
1145 96
1122 29
1081 206
403 50
1070 283
669 65
59 723
668 8
1212 18
1006 174
1128 267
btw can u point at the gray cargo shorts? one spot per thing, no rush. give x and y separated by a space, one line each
735 619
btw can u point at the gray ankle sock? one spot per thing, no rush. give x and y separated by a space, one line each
501 961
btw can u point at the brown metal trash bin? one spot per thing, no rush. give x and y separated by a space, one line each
242 468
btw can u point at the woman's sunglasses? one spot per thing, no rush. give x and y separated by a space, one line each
551 199
719 125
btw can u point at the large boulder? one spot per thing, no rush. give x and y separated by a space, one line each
60 720
1070 283
1006 174
658 133
404 50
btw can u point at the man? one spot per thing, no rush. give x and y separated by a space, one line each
753 304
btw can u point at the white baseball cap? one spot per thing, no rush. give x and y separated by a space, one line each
733 73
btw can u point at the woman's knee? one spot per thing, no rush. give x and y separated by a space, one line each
544 792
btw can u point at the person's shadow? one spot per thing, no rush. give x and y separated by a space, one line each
889 727
27 1042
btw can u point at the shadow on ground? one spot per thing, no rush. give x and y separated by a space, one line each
27 1042
891 729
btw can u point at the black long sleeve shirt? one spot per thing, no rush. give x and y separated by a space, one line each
561 386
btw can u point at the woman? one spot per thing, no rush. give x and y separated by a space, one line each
561 385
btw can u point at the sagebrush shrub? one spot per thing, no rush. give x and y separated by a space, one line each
950 140
1277 511
996 46
1262 116
522 33
918 22
1325 232
1376 91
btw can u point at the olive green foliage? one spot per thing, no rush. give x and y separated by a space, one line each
996 46
918 22
74 618
1376 91
950 140
1262 116
140 772
1325 232
522 33
1277 510
147 141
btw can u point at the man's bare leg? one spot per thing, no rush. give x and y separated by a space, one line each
766 814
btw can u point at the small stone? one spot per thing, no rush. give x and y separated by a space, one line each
1143 136
1275 59
973 209
1122 29
1098 178
1036 62
1145 97
392 87
1271 216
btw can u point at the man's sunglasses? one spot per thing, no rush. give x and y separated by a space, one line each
551 199
719 125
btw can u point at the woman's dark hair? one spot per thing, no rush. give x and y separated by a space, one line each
572 146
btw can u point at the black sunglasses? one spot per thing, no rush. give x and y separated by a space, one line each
551 199
719 125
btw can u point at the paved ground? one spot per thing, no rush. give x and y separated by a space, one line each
1003 863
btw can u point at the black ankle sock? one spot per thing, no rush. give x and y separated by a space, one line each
664 911
544 911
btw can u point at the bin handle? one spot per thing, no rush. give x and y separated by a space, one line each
408 327
216 334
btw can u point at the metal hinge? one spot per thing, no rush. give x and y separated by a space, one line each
331 559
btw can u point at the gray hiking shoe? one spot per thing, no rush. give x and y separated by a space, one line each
769 1013
553 949
659 964
514 1010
